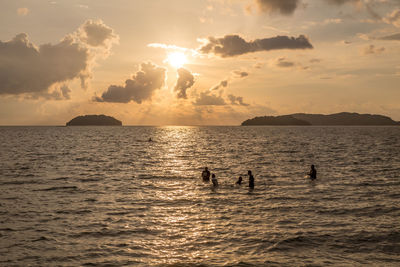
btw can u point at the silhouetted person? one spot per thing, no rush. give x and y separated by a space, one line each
251 179
214 180
313 173
150 140
239 181
206 175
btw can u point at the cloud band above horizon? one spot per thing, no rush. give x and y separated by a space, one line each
234 45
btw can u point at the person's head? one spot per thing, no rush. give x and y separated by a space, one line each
213 175
249 172
240 178
312 166
206 168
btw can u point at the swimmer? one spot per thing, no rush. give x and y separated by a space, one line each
214 180
205 175
239 181
251 180
313 173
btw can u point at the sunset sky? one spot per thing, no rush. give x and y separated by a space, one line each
197 62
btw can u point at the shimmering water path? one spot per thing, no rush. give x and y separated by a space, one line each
96 196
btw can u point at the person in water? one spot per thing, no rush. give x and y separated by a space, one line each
206 175
239 181
251 179
214 180
313 173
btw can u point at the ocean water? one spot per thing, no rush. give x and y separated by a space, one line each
105 196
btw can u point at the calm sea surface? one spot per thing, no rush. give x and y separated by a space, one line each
95 196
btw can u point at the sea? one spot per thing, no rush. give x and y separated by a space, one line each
107 196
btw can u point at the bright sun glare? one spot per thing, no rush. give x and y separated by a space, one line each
176 59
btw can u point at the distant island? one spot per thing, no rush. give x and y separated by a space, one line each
343 118
94 120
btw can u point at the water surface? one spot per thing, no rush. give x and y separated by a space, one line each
94 196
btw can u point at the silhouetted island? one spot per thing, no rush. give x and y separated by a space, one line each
343 118
94 120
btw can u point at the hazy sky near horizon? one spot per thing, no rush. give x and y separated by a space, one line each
200 62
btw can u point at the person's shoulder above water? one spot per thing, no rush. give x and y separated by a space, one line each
214 180
313 172
251 179
239 181
205 175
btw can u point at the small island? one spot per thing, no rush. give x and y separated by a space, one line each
94 120
342 119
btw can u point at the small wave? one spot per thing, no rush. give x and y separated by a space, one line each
88 180
84 211
113 233
21 182
292 243
60 188
60 178
42 238
7 229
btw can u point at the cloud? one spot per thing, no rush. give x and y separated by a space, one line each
285 7
209 99
184 82
341 2
284 63
141 87
234 45
25 68
240 74
222 84
22 11
95 33
28 69
393 37
237 100
393 18
371 49
59 93
315 60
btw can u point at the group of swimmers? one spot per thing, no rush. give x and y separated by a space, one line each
206 177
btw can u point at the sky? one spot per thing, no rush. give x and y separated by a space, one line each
198 62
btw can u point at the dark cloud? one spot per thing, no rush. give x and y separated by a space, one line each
96 33
237 100
209 99
285 7
240 74
24 68
59 93
315 60
184 82
141 87
393 37
234 45
341 2
283 63
222 84
372 12
31 70
371 49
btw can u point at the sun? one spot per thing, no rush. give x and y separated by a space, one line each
176 59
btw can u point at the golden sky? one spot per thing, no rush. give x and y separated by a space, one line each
200 62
